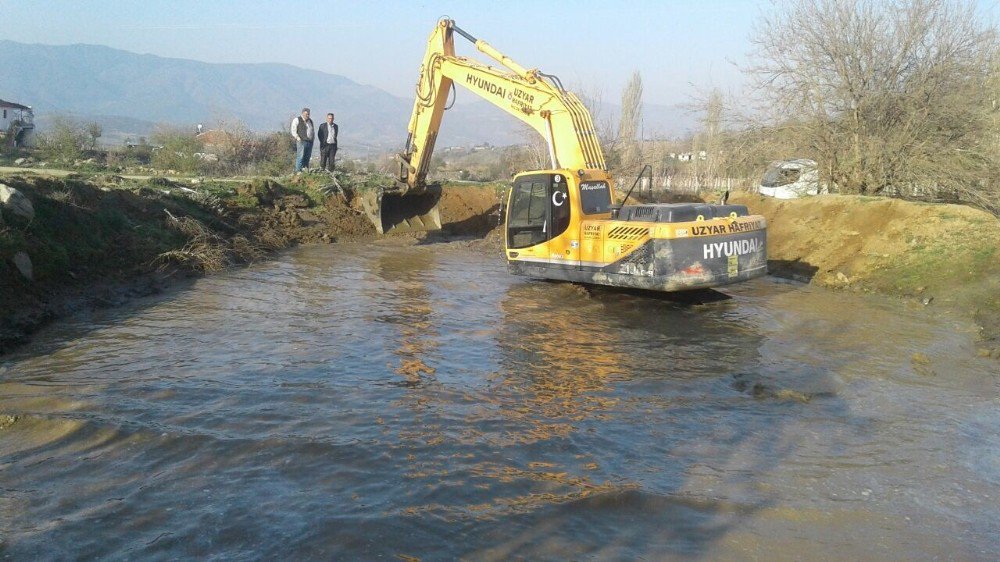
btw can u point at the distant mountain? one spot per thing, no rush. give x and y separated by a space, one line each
95 80
127 92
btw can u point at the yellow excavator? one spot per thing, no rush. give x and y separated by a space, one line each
562 223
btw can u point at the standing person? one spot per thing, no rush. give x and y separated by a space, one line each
328 143
302 130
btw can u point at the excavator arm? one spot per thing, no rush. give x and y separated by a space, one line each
537 99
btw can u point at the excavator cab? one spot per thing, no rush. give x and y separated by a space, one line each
545 211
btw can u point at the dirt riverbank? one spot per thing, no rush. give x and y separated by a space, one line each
936 254
99 240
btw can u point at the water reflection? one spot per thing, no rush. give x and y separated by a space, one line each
559 360
377 401
407 301
607 376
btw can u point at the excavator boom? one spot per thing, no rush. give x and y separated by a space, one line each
537 99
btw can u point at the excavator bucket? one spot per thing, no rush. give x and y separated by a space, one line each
412 212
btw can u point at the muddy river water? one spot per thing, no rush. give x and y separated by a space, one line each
390 401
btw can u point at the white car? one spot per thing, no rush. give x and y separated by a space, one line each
790 179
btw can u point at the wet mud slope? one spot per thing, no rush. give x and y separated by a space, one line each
99 241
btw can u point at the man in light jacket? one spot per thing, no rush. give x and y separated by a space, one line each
303 132
328 143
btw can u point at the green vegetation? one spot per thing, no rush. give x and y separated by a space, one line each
78 230
68 141
176 151
230 150
108 227
940 266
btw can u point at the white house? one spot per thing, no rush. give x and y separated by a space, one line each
17 124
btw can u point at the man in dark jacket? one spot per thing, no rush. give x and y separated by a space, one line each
328 143
303 132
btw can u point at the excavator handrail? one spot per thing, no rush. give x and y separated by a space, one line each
644 169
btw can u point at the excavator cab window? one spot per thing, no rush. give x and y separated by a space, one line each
539 210
559 200
595 197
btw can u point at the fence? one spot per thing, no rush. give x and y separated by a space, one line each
693 184
979 196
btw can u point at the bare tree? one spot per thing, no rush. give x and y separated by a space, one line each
628 126
885 94
592 97
536 149
709 139
94 131
738 144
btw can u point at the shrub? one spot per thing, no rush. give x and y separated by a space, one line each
176 150
64 142
892 97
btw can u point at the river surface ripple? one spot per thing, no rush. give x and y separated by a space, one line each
391 401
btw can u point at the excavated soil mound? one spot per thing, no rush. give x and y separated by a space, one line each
465 211
469 210
332 220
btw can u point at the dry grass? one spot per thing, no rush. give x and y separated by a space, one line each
207 251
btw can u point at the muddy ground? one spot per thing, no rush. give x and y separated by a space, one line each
97 241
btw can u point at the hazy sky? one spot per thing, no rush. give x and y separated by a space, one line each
592 45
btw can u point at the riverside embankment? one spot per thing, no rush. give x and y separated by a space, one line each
98 240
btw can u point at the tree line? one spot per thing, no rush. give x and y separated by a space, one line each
889 97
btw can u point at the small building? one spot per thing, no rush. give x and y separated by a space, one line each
17 124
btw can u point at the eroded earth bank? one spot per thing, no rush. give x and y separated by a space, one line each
96 241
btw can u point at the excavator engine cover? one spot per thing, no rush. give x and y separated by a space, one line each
657 247
391 211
